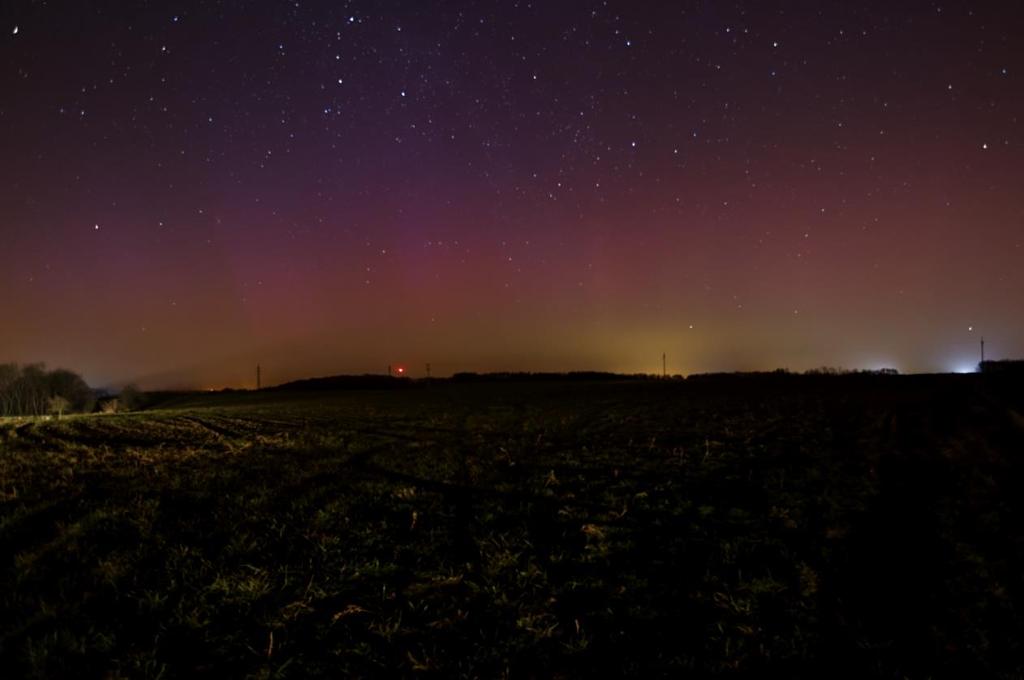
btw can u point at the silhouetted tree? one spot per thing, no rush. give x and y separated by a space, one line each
129 399
28 390
33 389
58 405
9 374
71 386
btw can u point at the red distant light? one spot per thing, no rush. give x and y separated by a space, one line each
401 370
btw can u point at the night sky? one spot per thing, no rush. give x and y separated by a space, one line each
188 189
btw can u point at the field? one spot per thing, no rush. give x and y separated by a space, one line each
807 527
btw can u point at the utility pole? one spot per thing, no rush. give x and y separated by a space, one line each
259 377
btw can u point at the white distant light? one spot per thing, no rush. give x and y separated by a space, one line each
15 31
970 328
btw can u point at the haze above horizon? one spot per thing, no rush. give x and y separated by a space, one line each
330 188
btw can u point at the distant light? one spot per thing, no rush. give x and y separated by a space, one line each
970 328
401 369
15 31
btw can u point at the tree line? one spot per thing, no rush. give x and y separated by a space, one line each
32 390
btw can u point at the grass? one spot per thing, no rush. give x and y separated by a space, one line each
857 528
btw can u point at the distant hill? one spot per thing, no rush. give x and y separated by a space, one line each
357 382
344 382
1011 366
548 376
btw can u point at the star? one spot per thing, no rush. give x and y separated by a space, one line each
293 193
